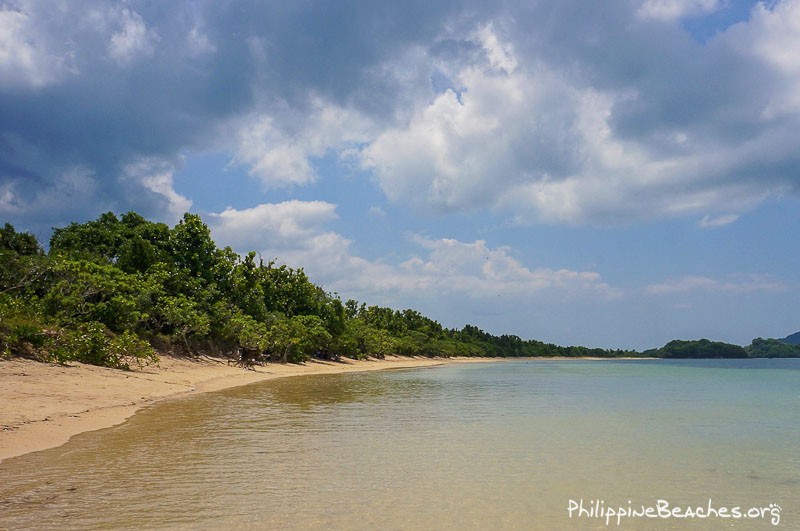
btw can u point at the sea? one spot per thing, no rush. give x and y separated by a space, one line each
528 445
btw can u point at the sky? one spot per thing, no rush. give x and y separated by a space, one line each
613 174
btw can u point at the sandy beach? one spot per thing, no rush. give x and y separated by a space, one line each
44 404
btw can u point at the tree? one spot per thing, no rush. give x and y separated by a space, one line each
22 262
18 243
246 290
192 248
98 240
288 290
183 318
82 291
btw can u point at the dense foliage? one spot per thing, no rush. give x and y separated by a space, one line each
110 290
772 348
701 348
115 290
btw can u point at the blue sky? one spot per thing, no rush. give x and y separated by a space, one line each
613 174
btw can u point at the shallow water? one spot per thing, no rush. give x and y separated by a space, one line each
473 446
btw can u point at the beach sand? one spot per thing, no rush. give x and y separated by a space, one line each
43 405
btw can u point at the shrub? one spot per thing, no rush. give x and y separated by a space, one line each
94 344
126 348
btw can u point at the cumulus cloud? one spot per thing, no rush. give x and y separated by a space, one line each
553 112
26 57
271 156
479 271
472 145
103 101
281 154
462 273
771 37
271 223
520 136
296 233
158 178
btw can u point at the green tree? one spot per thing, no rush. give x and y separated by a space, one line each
84 291
193 250
22 263
98 240
18 243
246 290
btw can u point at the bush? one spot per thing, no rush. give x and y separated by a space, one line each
94 344
20 334
126 348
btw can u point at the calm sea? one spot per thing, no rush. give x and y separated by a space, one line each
509 445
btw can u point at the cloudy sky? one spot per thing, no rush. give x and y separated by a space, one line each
613 174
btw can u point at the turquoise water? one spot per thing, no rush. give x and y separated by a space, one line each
508 445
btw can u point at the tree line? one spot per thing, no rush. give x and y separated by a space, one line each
119 289
116 290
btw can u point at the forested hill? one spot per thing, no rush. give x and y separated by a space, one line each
115 290
793 339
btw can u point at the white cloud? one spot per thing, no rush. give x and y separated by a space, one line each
9 202
736 284
774 33
669 10
278 150
631 120
464 150
25 58
161 183
295 233
274 158
155 176
523 138
271 227
516 140
133 39
709 222
772 37
479 271
500 54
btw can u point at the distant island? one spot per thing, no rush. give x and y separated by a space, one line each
117 291
793 339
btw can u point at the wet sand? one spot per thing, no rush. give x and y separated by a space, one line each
43 405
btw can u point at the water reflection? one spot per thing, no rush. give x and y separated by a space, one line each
336 389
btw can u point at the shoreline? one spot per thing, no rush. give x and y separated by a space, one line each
45 405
